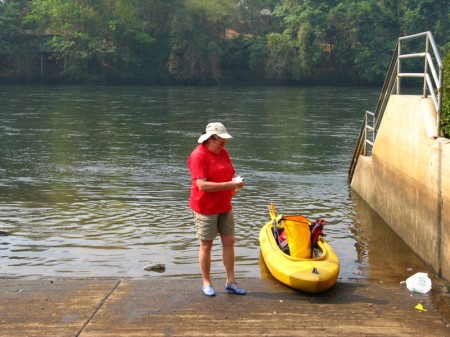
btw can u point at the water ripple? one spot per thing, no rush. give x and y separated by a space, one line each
94 181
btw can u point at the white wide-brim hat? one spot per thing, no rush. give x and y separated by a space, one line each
215 128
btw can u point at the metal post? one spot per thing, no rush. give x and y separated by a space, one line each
398 67
365 136
425 68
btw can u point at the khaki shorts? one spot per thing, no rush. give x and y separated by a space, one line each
208 226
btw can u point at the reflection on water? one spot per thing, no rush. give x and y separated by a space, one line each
94 181
382 255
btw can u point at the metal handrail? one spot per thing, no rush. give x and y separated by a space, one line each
432 85
369 130
388 87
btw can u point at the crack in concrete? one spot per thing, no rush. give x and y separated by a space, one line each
98 308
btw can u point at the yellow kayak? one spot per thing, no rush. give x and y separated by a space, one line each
312 275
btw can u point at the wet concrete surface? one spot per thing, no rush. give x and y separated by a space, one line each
176 307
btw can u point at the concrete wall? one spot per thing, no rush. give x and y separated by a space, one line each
407 179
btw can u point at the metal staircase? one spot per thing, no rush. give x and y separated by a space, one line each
432 86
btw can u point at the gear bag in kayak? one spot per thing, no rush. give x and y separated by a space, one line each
298 233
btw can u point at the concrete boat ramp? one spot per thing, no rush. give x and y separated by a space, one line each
176 307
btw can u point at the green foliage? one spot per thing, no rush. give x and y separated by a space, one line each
424 15
445 113
197 31
211 10
235 61
258 54
188 50
102 37
189 41
16 48
309 52
281 57
357 41
9 25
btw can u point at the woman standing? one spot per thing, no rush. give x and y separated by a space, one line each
213 185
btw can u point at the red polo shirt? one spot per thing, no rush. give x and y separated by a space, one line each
203 164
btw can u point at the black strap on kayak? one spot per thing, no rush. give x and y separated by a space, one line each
273 216
316 231
275 232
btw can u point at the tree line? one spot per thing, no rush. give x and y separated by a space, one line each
210 41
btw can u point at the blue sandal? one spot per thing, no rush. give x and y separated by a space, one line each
232 287
208 290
